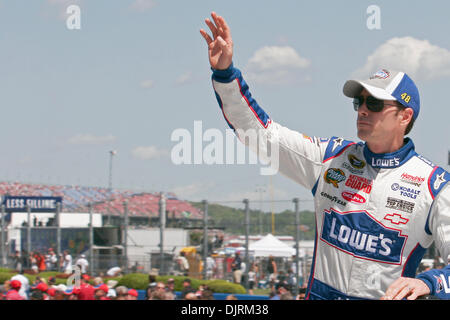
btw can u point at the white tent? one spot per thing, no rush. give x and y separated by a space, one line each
271 246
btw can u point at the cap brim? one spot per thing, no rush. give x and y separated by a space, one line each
353 87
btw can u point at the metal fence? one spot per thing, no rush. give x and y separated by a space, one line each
102 258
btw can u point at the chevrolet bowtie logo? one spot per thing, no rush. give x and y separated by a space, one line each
395 218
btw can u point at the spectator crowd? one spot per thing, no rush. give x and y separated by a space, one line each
19 288
37 261
262 275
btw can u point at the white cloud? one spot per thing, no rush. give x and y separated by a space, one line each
184 78
276 65
143 5
148 152
147 84
87 138
418 58
268 58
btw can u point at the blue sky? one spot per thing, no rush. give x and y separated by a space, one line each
137 70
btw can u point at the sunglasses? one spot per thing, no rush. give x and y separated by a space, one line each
373 104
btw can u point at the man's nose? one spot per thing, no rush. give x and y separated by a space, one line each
362 110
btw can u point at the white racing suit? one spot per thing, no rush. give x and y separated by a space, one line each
376 214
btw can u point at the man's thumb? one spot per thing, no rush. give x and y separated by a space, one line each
222 42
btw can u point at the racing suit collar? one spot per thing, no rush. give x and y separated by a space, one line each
392 159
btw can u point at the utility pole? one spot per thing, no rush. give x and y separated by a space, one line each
3 237
28 229
162 226
271 206
247 231
112 153
297 245
205 237
58 228
260 190
125 235
91 239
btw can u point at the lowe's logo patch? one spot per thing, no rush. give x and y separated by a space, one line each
360 235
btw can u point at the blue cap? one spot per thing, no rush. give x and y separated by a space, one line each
388 85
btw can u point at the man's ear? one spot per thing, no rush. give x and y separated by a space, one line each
407 116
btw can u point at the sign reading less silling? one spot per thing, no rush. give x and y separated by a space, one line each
36 204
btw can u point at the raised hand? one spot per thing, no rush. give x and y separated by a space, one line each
220 47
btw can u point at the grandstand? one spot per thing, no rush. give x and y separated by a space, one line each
105 201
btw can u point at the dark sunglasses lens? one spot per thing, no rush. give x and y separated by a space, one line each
374 104
357 102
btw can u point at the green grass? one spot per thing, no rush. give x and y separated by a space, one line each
261 292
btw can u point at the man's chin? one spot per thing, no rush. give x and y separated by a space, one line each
363 135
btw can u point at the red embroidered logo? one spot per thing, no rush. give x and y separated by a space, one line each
396 218
353 197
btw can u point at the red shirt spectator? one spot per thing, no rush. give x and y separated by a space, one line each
101 291
41 286
41 262
87 292
132 294
13 293
51 292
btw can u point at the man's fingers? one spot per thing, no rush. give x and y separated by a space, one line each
406 287
212 27
393 289
217 21
220 45
413 296
403 292
206 36
224 26
215 18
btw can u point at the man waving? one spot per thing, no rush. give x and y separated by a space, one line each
378 204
